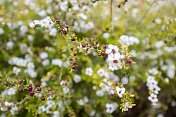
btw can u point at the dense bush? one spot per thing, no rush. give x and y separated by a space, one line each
88 58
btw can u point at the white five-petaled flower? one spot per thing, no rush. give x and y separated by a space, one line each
101 72
77 78
43 55
120 91
152 85
126 106
114 57
89 71
112 49
153 98
110 108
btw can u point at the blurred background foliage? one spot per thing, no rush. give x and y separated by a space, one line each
150 21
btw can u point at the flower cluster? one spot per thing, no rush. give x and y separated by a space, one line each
45 23
26 63
114 57
128 40
153 87
116 60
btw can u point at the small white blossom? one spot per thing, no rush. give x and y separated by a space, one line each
89 71
83 101
128 40
45 62
106 35
43 55
153 71
153 98
100 93
77 78
1 31
16 70
120 91
41 109
112 49
53 32
10 45
126 106
110 108
101 72
57 62
66 90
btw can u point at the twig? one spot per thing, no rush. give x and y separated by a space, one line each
111 3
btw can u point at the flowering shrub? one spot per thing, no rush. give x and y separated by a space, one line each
87 58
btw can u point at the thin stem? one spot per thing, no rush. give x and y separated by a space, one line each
111 3
145 15
60 75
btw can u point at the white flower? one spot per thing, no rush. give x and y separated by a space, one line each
115 65
112 49
30 38
45 62
171 71
158 20
31 72
56 114
153 98
57 62
80 102
76 7
106 35
66 90
43 55
14 109
114 57
11 91
126 106
153 71
23 30
128 40
8 103
159 44
10 45
124 80
30 65
46 23
110 108
156 89
151 82
64 6
83 101
41 109
17 61
50 103
77 78
16 70
124 40
89 71
53 32
32 25
83 16
120 91
152 85
101 72
48 109
1 31
100 93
